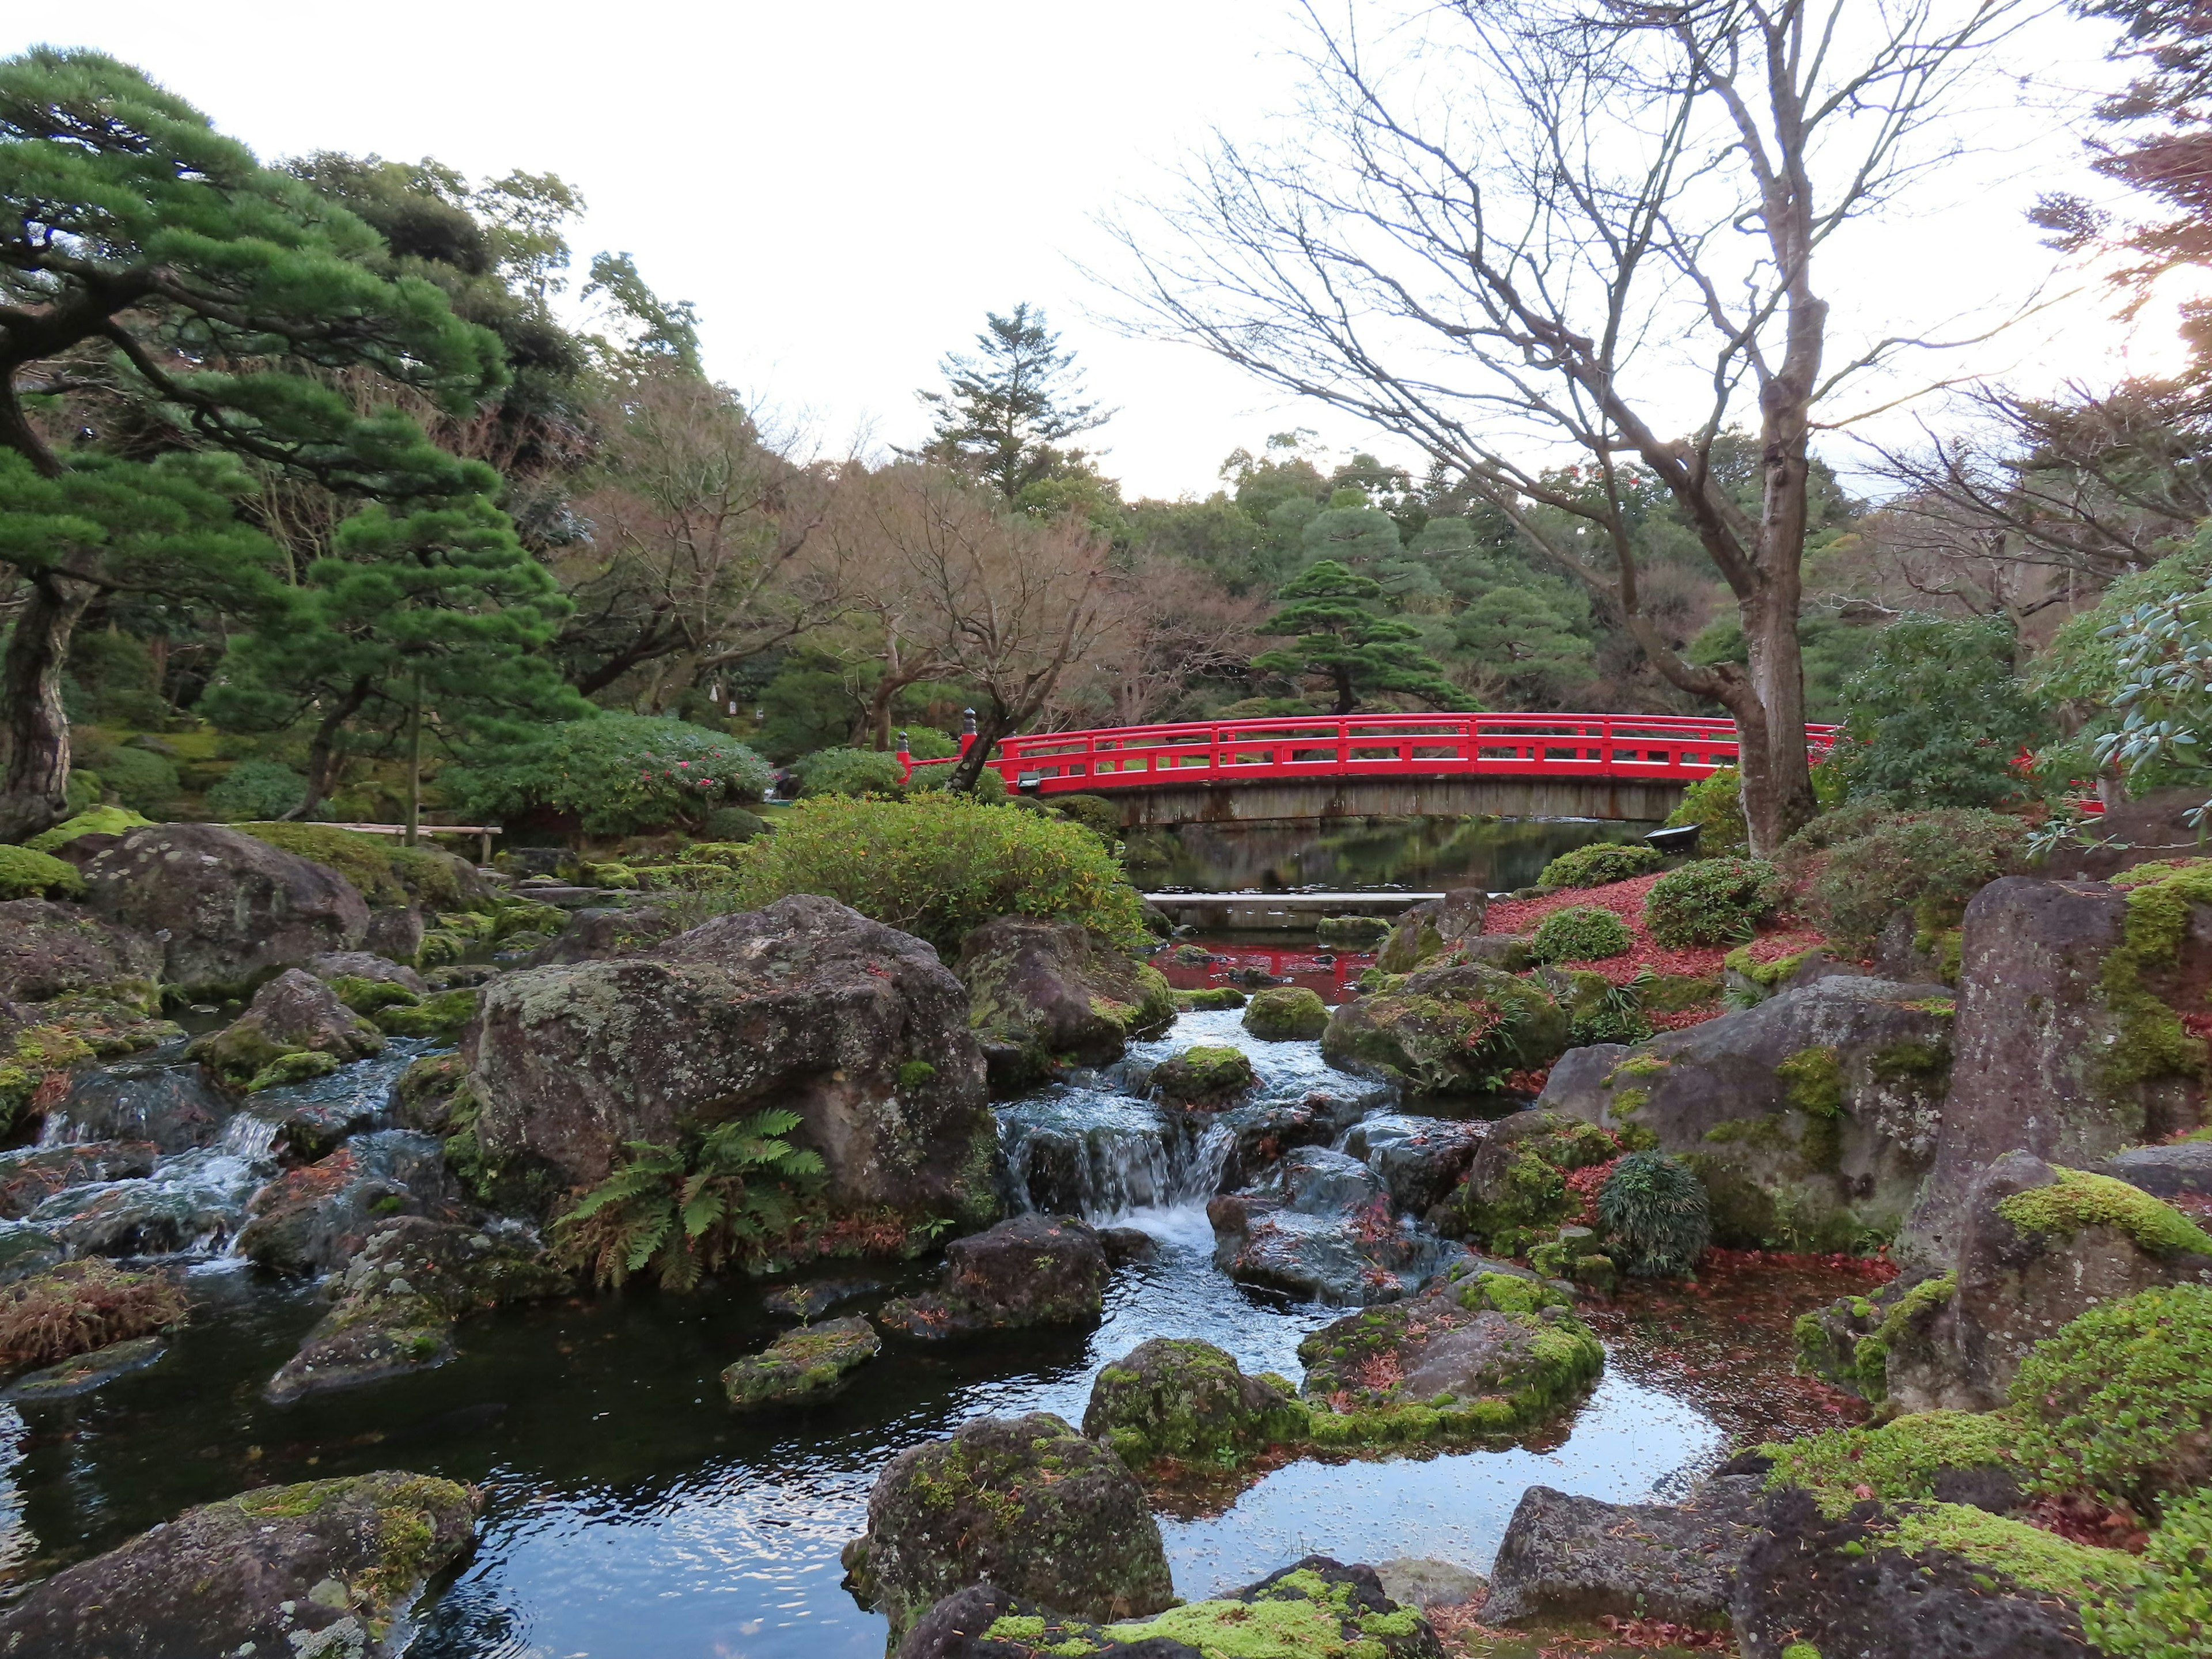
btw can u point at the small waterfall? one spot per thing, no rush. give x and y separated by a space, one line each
58 1131
247 1137
1100 1155
1201 1176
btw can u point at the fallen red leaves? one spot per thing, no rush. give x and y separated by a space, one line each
1625 900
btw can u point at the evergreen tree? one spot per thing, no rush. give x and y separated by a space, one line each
438 610
1339 639
1003 411
153 273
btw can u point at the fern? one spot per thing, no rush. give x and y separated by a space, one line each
687 1211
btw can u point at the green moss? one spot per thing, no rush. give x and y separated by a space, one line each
368 996
1899 1461
1815 1081
1909 1060
1213 997
1765 975
2152 1041
913 1073
96 821
2029 1556
1640 1066
389 876
1286 1013
295 1067
440 1014
27 874
1205 1072
1627 1103
2079 1199
1801 1651
2166 1613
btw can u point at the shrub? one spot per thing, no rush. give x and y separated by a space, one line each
2117 1401
616 775
938 865
256 789
1613 1015
688 1212
92 821
1937 717
142 780
1712 902
2166 1613
27 874
1863 865
731 823
78 1307
1582 933
1713 803
927 743
849 772
1655 1211
938 780
1599 865
1094 812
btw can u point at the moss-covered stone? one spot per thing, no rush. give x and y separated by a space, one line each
1351 933
440 1014
802 1366
1207 1075
2153 1041
1189 1400
2079 1200
1045 995
1286 1013
301 1065
36 1059
370 997
387 874
1446 1031
1317 1609
1924 1456
1515 1190
1209 1000
294 1014
94 821
26 874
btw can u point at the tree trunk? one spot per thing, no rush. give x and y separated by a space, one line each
991 728
1345 701
34 734
1777 789
322 747
414 766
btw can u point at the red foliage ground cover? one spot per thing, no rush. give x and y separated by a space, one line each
1625 900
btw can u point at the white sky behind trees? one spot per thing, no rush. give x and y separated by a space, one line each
844 190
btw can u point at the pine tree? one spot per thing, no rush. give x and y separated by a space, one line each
1003 411
1341 640
154 275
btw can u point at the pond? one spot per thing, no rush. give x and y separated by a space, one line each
1341 854
630 1516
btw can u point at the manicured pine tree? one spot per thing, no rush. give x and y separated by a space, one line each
154 269
1341 641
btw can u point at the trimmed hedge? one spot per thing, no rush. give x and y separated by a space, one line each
1712 902
1600 864
1582 933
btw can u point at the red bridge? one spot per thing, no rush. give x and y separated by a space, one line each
1611 766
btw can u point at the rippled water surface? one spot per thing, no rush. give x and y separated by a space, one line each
630 1516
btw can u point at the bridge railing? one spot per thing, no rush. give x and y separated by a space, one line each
1655 748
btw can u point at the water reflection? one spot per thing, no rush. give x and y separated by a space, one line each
1337 853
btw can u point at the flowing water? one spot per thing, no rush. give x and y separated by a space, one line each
630 1516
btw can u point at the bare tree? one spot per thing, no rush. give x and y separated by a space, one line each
1175 623
1543 223
700 546
1007 602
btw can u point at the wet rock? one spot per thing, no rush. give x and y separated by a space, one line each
1811 1118
226 909
1046 994
1566 1557
1340 1260
46 1047
399 1299
331 966
77 1307
803 1302
960 1627
801 1367
294 1014
303 1128
1447 1030
29 1177
317 1218
1032 1270
1484 1353
598 934
2068 1044
1189 1400
1212 1000
1289 1013
1123 1245
1024 1503
1434 929
1263 1131
805 1004
26 1251
1851 1584
395 931
329 1568
1206 1078
1416 1582
456 975
1317 1180
86 1372
1419 1160
49 950
173 1106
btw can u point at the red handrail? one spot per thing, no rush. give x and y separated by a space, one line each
1653 748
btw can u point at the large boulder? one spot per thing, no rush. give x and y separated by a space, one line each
318 1217
591 935
49 950
2037 1245
1045 995
1024 1503
171 1104
1910 1581
400 1297
32 1174
1568 1558
1314 1609
1419 1160
1183 1399
327 1567
1811 1118
1434 929
228 911
294 1014
1447 1030
804 1005
2069 1043
1517 1186
1032 1270
1286 1013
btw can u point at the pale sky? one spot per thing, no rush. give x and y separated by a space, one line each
844 190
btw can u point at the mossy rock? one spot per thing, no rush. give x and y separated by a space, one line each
2079 1200
95 821
36 1059
1188 1400
1212 1000
1352 932
802 1366
1459 1030
389 875
439 1014
1287 1013
369 997
301 1065
27 874
1207 1075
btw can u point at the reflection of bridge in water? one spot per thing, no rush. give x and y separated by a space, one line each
1522 766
